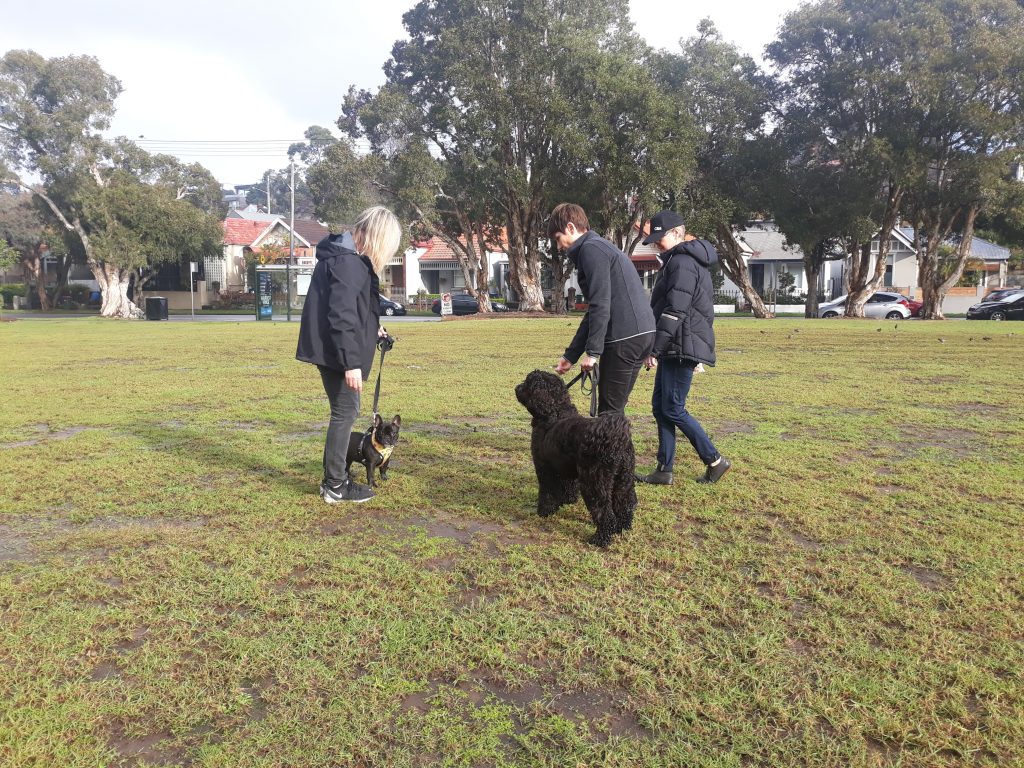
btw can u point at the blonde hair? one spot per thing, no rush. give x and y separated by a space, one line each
377 234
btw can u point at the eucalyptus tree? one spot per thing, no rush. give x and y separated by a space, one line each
493 93
846 72
723 97
51 114
28 235
971 95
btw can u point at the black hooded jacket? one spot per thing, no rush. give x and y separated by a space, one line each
684 305
617 301
342 313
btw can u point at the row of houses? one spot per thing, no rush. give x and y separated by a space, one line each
432 267
769 256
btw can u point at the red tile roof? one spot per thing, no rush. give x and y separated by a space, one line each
312 231
242 231
439 250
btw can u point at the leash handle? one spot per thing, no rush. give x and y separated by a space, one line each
585 378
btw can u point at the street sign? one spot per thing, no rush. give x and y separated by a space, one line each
446 304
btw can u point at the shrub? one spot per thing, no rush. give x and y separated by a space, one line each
8 292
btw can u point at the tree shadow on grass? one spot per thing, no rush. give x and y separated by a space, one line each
228 456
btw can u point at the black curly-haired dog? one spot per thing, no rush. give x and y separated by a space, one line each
573 454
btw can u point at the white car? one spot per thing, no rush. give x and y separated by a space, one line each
881 304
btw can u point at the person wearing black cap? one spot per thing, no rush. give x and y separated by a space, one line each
618 328
683 303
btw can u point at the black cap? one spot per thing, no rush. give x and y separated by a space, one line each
661 223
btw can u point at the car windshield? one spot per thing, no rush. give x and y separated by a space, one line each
1005 295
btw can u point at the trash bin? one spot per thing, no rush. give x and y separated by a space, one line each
156 308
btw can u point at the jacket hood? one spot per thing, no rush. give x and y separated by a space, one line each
702 251
335 245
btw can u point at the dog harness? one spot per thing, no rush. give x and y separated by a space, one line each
384 451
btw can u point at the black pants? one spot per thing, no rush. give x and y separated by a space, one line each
619 366
344 412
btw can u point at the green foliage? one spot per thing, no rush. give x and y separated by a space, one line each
8 255
339 184
9 290
724 96
138 225
492 114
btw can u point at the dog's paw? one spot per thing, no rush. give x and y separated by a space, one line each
597 540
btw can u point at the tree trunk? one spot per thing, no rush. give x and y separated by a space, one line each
736 269
32 268
524 273
865 280
114 283
559 274
812 269
933 287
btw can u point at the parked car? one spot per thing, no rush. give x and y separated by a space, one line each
1009 306
389 307
464 304
1000 293
891 306
912 304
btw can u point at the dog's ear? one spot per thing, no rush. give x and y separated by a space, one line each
377 420
397 421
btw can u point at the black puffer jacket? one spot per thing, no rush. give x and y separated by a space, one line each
341 314
683 303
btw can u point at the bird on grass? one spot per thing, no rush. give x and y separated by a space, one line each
986 338
942 341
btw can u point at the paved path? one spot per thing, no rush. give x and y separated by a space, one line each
205 318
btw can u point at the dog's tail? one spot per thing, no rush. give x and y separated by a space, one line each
606 438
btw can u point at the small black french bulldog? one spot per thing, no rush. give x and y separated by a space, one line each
373 448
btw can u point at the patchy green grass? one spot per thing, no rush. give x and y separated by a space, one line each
173 591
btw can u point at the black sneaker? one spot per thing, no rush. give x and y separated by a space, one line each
661 476
714 473
347 491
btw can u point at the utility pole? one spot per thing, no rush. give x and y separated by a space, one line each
291 243
268 192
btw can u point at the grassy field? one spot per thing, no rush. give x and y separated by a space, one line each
173 591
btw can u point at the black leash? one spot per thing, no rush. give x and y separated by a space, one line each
383 344
585 378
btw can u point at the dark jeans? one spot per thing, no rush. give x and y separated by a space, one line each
618 368
671 386
344 412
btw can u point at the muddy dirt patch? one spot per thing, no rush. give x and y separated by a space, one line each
929 579
45 435
14 546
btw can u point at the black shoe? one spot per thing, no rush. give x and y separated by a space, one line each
714 473
347 491
661 476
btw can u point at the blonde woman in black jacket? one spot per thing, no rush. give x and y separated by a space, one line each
683 305
339 331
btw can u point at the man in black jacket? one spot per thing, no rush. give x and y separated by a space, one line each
683 302
618 329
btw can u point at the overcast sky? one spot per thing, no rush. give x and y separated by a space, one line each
242 73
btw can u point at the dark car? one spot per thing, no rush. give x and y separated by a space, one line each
464 304
1009 306
389 307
